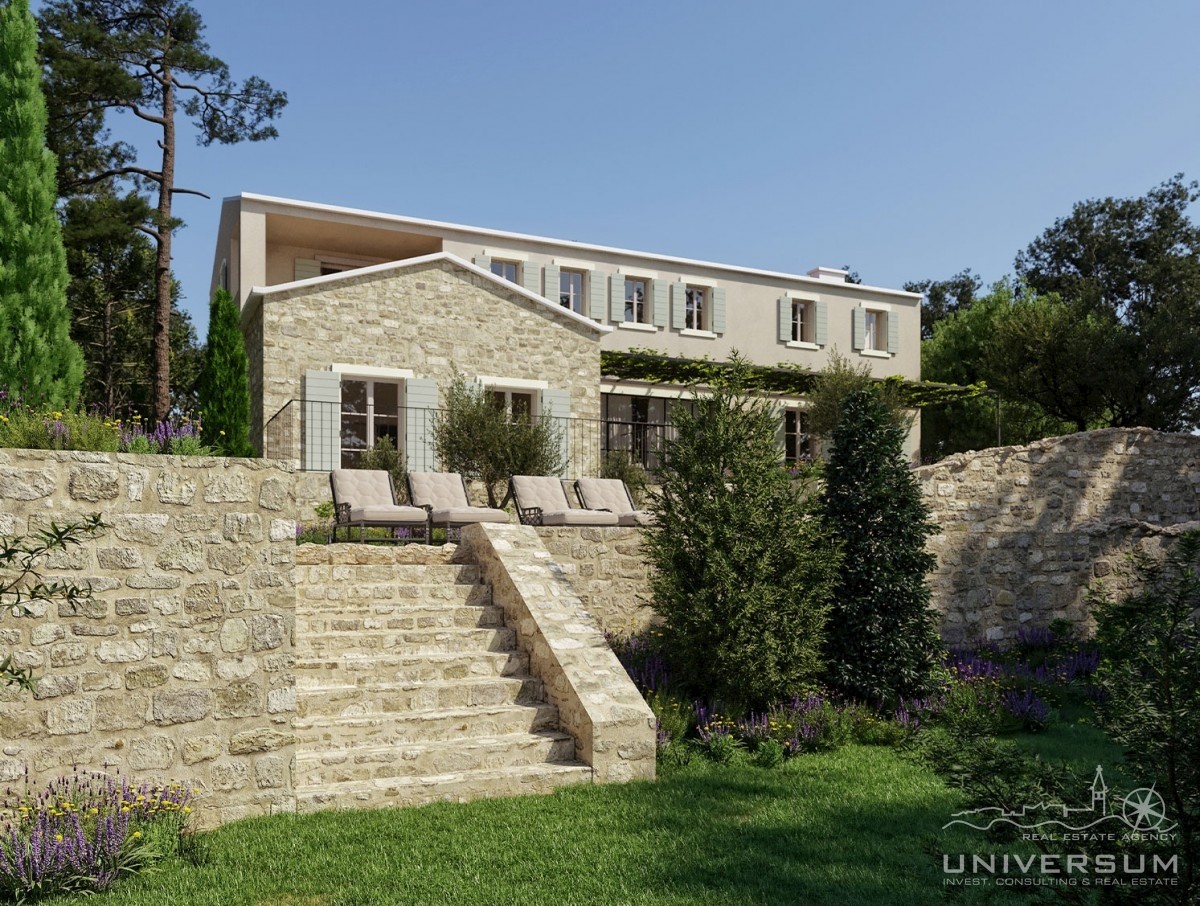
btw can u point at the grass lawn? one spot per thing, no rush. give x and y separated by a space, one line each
859 825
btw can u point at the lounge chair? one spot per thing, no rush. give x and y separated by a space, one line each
444 496
612 494
366 498
541 500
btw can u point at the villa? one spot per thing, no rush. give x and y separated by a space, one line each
355 320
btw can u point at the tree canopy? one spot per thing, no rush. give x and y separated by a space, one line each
148 58
1126 276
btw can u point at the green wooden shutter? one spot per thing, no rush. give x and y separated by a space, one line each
484 261
420 412
785 319
821 327
616 306
306 268
893 327
556 404
718 309
531 277
678 305
860 328
550 273
322 449
658 292
597 294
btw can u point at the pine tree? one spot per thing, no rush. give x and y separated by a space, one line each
37 356
224 383
881 641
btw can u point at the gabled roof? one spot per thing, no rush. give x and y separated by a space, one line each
434 227
260 293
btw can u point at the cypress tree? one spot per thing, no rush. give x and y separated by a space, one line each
881 642
37 356
225 383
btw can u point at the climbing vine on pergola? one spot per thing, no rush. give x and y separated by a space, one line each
652 367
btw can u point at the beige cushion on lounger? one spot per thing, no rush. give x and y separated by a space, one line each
445 494
387 514
546 493
612 494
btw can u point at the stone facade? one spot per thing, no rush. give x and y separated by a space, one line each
180 666
606 569
598 704
428 318
1023 531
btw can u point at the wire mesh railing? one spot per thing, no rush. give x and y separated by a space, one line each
322 435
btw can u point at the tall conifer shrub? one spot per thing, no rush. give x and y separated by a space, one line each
880 641
742 576
37 355
225 382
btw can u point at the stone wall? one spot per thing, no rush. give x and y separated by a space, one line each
1023 531
180 666
597 703
606 568
430 319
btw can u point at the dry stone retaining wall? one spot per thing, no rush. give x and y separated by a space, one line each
1023 531
180 666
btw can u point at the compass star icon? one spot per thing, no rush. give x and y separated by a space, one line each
1143 809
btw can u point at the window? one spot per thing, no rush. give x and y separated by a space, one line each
518 403
506 270
797 442
370 411
803 321
570 290
696 310
636 294
877 331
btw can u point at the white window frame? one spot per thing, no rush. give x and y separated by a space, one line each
690 321
371 377
577 305
507 262
801 438
875 332
647 300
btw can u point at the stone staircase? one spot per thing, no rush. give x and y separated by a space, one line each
410 689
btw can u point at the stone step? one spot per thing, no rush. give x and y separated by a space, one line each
320 769
343 596
351 669
448 787
407 642
393 573
329 733
391 698
396 616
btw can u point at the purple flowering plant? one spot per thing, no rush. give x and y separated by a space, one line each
82 833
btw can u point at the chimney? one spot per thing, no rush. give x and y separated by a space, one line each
829 273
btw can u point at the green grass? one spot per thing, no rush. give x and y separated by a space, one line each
860 825
1074 739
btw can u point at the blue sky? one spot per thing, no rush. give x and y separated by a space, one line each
904 139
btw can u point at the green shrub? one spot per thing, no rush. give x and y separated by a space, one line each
833 386
486 442
385 457
1150 676
882 644
620 464
769 753
741 574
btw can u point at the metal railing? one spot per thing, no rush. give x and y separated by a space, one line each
321 437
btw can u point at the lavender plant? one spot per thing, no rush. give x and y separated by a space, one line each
82 833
